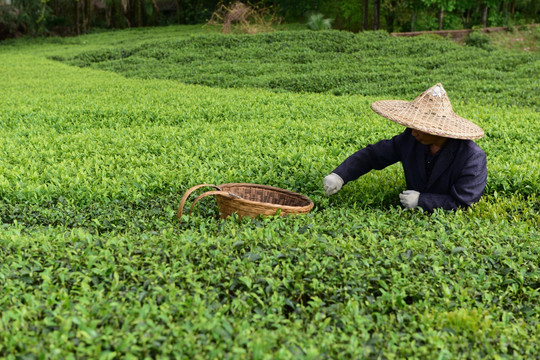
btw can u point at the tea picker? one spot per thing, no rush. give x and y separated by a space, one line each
443 167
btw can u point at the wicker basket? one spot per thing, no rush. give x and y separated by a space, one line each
251 200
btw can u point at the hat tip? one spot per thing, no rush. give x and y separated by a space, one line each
437 90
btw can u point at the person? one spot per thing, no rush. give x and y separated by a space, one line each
443 167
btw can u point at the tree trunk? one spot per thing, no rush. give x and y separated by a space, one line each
87 14
127 10
108 15
139 12
391 16
390 22
504 10
376 8
484 16
155 14
365 19
177 11
413 19
513 8
77 21
441 16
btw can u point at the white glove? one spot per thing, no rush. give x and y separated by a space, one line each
332 184
409 199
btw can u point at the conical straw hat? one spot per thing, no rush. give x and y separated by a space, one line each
431 113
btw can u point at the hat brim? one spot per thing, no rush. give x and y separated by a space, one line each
449 125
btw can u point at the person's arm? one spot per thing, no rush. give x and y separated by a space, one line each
467 190
372 157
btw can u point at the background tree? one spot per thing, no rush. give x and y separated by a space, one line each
412 7
365 15
376 14
63 17
441 6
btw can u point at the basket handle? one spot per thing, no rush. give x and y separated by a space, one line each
213 192
203 195
186 195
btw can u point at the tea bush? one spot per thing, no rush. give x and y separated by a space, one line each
370 63
93 165
479 39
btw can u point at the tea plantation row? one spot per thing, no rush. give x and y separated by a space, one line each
370 63
93 165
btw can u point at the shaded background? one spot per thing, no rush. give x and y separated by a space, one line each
68 17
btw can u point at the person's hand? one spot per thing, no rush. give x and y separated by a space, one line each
332 184
409 198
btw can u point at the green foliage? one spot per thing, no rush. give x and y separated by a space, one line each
347 14
18 17
369 63
479 39
68 17
318 22
93 165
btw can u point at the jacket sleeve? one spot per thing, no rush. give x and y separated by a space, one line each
372 157
465 191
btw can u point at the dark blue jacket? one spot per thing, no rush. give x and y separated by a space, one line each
458 177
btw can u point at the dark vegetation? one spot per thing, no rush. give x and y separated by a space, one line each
68 17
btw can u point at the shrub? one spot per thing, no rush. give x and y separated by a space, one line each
479 39
535 31
337 62
318 22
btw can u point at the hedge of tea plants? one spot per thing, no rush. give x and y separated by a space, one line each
369 63
93 163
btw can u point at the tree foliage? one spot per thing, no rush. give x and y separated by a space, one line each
68 17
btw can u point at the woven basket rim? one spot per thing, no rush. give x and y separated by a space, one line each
229 202
227 186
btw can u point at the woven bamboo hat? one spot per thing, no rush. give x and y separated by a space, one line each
431 112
